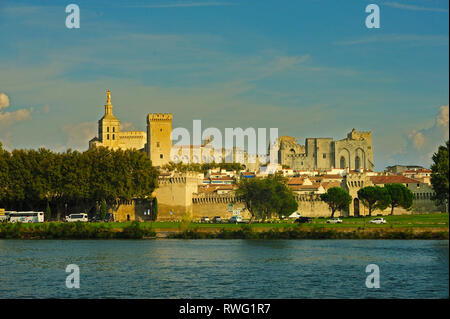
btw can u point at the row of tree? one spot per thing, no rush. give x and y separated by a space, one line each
40 179
373 197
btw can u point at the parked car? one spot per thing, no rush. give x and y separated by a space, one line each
235 219
97 218
378 221
205 219
334 221
217 220
302 220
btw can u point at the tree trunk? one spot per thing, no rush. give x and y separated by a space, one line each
332 213
392 210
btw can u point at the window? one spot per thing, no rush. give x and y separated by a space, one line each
114 129
160 129
107 136
157 144
324 155
113 135
107 129
160 156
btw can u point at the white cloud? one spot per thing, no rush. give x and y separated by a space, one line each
423 142
4 101
410 7
417 138
9 118
78 135
442 118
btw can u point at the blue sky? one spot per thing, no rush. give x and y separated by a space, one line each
309 68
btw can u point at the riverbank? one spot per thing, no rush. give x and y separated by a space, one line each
424 226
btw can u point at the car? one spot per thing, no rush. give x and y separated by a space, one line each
217 220
378 221
302 220
235 219
334 221
205 219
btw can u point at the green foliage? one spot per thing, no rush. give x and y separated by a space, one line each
262 197
337 199
440 175
77 230
374 197
29 179
48 212
399 195
103 210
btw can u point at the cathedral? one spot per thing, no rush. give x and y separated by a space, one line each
109 134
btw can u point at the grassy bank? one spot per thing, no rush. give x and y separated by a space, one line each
420 226
299 232
78 230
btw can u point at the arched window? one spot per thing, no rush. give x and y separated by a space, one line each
114 129
113 136
357 162
342 162
107 136
107 129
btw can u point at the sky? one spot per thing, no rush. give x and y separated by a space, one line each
309 68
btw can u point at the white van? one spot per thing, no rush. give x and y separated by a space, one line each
77 218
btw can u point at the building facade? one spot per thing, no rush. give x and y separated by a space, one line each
110 135
353 152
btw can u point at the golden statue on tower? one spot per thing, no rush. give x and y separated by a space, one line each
108 97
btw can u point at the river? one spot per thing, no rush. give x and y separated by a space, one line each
224 268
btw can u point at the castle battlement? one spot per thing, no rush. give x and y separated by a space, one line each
215 198
159 117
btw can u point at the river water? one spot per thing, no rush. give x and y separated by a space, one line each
224 268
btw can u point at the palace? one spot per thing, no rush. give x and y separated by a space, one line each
354 152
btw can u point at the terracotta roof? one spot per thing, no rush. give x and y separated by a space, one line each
296 181
304 187
327 185
389 179
332 176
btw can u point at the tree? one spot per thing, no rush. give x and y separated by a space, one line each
399 195
103 210
440 175
48 212
374 197
262 197
337 199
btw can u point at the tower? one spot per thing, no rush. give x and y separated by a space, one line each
159 143
109 125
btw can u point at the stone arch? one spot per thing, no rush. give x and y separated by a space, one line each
344 158
360 158
342 163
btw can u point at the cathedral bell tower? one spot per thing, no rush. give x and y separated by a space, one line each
109 125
